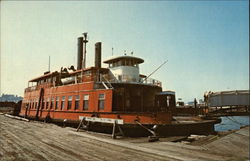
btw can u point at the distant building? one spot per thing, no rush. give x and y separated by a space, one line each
10 98
199 103
191 103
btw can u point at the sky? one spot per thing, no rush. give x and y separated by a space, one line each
206 43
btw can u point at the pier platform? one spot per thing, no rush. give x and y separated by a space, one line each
33 140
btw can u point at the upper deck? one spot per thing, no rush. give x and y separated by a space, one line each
64 77
92 74
125 69
121 69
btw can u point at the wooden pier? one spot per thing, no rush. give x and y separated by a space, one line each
21 140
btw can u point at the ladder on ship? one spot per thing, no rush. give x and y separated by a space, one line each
39 102
107 84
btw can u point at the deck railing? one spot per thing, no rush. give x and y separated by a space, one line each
153 82
130 79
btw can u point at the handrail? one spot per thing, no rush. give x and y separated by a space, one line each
126 79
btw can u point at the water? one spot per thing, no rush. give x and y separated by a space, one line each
232 123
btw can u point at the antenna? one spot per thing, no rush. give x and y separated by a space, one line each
125 52
112 51
154 71
49 63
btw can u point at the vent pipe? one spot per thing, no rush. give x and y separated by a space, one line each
98 54
79 53
85 50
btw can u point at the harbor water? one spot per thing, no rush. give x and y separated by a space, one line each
232 123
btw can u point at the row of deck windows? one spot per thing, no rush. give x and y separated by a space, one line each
126 62
54 103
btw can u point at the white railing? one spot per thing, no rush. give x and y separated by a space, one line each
130 79
152 81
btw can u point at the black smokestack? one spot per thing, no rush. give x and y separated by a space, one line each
79 53
98 54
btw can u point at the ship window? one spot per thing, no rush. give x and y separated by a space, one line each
36 103
119 63
69 102
101 101
127 62
57 103
43 103
63 102
47 103
132 63
31 104
123 62
77 102
115 64
86 102
119 77
52 103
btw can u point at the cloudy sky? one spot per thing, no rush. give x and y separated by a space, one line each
206 43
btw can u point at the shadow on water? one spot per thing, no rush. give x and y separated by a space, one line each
232 123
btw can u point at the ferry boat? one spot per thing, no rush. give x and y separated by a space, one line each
100 95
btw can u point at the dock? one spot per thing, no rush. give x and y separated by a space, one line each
34 140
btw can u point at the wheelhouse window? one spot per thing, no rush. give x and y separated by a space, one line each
57 102
77 102
63 103
86 102
52 103
101 101
69 102
47 103
123 62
